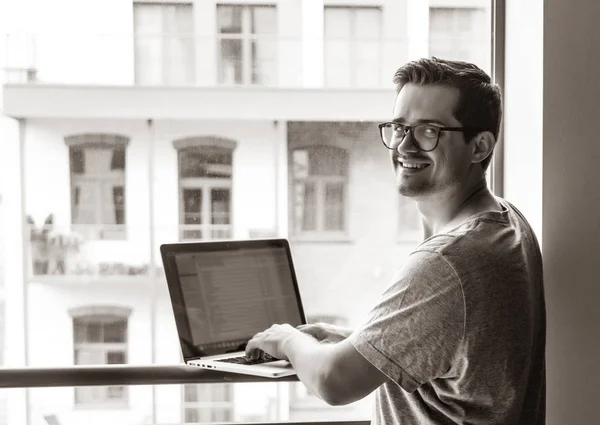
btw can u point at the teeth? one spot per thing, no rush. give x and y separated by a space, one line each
413 166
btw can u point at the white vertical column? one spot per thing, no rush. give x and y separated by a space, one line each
312 43
205 42
281 178
12 137
417 28
152 269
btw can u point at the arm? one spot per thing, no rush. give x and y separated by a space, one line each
337 373
325 332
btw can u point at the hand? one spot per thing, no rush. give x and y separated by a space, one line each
325 332
271 341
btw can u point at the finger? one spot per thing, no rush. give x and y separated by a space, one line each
252 349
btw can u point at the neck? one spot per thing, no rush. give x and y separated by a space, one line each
443 211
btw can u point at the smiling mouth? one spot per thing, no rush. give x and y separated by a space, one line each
405 166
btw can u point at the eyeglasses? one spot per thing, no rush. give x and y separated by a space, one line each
425 136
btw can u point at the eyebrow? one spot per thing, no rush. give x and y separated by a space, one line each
421 121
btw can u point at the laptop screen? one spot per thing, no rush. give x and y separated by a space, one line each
227 292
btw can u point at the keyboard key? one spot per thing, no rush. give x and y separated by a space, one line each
245 360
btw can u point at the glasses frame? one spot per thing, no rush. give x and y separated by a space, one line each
406 129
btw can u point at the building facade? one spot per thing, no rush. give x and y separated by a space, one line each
131 124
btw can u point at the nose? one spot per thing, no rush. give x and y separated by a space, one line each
404 142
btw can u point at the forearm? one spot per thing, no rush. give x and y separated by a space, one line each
312 361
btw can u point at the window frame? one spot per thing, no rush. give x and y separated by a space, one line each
99 231
246 38
320 181
206 184
100 314
352 41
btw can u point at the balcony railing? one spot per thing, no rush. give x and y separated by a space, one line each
78 253
82 376
221 61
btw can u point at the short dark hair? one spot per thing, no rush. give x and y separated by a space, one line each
480 100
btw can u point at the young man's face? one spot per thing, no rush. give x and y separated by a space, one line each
447 166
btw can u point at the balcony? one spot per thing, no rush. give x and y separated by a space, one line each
180 60
106 253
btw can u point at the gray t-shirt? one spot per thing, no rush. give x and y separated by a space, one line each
461 332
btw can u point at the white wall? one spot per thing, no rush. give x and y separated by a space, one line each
571 209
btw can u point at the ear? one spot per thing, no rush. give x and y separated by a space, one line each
483 146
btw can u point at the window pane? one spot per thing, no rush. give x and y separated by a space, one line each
220 212
264 61
115 357
229 19
334 206
205 162
230 63
94 332
263 19
164 43
118 200
307 207
192 212
457 33
115 332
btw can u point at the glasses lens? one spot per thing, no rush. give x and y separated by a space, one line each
387 134
426 136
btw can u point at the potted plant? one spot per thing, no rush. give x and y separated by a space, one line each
51 248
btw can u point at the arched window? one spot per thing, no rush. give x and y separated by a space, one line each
205 179
97 167
100 337
318 192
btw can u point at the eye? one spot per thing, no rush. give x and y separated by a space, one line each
430 131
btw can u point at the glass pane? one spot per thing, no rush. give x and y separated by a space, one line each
229 19
230 62
147 22
77 160
367 23
220 212
338 22
205 161
263 20
115 332
308 205
456 33
328 161
264 62
192 212
94 332
115 357
334 206
85 200
118 200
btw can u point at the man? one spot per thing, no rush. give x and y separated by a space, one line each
459 336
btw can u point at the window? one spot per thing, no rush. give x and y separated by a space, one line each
456 33
97 167
247 44
208 403
164 43
319 189
100 337
205 174
352 46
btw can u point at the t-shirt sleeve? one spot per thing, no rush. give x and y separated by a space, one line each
413 334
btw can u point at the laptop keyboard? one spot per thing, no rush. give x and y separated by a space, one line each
245 360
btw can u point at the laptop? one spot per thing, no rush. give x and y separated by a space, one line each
225 292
